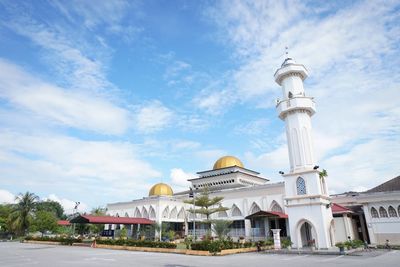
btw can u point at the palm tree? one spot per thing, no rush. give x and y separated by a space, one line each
323 173
23 211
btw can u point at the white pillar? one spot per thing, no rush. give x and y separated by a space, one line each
277 239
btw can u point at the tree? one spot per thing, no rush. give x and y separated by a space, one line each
51 206
97 228
207 205
221 228
5 212
323 173
44 221
22 213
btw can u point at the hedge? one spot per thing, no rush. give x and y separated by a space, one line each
218 245
62 240
136 243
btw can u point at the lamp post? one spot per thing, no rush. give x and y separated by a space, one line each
191 195
73 214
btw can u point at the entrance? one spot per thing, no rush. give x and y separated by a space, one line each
306 235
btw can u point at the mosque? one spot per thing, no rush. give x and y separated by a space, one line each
300 206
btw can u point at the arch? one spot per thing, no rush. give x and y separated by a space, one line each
173 214
305 231
126 214
392 212
235 211
152 213
181 214
374 213
117 215
276 207
222 214
165 213
301 186
137 213
383 213
145 214
254 208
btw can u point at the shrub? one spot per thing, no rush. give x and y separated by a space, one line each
340 245
136 243
286 242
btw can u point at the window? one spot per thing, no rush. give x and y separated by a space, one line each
301 186
276 207
383 212
236 211
222 214
374 213
392 212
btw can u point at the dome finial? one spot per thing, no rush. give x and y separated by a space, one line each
287 51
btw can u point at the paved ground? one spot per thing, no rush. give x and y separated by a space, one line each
17 254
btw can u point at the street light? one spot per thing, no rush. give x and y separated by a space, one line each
191 195
73 215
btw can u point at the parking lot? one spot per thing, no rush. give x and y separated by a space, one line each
18 254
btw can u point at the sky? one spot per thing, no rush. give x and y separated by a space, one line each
99 100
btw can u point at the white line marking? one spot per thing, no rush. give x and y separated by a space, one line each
295 257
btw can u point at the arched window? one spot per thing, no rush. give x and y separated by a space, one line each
383 212
126 214
144 213
254 208
117 215
165 212
236 211
276 207
174 213
181 214
137 213
374 213
152 213
301 186
392 212
222 214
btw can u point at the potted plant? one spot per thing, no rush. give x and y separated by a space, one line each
341 246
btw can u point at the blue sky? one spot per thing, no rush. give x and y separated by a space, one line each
100 100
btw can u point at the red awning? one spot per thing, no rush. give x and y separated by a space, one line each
109 220
263 213
63 223
338 209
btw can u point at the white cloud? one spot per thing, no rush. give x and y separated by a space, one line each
6 197
351 53
68 205
153 117
66 107
179 179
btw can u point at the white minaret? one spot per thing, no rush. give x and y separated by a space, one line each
307 199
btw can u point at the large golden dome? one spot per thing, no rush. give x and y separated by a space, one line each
161 189
227 161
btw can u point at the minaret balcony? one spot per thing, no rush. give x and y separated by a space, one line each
295 103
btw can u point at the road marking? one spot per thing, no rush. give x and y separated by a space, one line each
332 259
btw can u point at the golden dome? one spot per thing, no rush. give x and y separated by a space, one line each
161 189
227 161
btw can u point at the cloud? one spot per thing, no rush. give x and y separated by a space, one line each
66 107
68 205
6 197
153 117
179 179
348 49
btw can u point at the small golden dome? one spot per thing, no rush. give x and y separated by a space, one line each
227 161
161 189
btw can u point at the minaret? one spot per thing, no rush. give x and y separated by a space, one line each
307 200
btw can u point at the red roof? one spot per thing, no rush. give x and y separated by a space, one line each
262 213
63 222
109 220
338 209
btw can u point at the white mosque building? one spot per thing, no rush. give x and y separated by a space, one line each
300 206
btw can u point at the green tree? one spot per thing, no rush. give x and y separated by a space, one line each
97 228
221 228
323 173
207 205
51 206
5 212
22 212
44 221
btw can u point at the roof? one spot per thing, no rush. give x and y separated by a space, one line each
63 223
391 185
109 220
263 213
339 209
